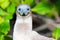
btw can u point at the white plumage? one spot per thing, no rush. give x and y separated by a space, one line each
23 27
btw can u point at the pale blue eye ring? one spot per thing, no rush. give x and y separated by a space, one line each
19 10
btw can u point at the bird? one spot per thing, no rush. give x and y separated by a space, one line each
23 25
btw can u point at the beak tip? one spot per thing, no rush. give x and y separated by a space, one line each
23 14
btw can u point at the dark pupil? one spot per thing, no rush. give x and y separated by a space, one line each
19 9
27 9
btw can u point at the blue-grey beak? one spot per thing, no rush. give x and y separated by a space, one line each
23 14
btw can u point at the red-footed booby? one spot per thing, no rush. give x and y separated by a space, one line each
23 26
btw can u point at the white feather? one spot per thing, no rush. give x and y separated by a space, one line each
23 29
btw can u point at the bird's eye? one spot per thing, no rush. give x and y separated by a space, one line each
19 9
28 9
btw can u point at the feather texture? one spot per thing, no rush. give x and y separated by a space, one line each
23 29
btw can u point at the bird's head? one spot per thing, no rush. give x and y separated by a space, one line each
23 10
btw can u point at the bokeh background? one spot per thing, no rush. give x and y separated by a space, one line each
46 17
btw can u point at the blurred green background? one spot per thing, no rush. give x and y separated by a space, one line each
48 8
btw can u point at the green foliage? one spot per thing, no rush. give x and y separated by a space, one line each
1 20
11 9
43 8
6 13
1 37
16 2
30 2
4 28
5 4
2 12
57 4
56 33
2 1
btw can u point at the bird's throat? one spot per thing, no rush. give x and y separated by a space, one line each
23 24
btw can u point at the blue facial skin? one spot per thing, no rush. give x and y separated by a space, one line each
23 9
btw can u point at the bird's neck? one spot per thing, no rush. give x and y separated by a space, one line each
23 24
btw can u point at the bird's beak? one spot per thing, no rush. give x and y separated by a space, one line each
23 14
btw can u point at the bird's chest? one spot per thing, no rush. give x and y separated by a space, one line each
22 36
